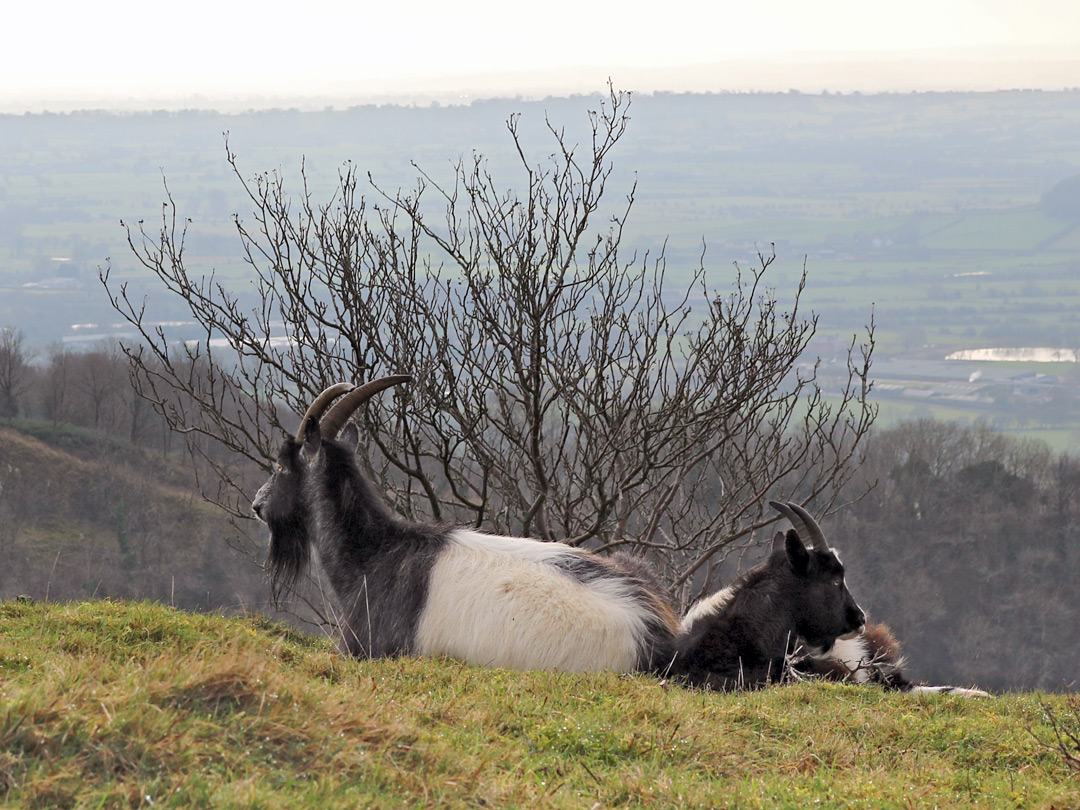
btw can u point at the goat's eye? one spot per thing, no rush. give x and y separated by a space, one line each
281 469
838 582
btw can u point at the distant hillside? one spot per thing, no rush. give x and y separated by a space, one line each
1063 200
846 180
83 514
116 704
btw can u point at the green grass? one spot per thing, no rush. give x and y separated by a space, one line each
107 704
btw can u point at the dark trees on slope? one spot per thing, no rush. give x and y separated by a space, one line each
967 547
15 371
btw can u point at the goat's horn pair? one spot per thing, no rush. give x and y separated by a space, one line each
335 420
804 524
321 403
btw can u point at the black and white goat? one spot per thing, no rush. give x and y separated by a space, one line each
407 588
515 602
872 656
744 634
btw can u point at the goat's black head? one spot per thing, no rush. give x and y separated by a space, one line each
825 610
282 502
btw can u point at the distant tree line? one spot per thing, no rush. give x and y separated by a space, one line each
95 497
89 388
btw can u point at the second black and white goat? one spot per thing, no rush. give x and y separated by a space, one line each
744 634
872 656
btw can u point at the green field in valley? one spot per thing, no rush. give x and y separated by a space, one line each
928 210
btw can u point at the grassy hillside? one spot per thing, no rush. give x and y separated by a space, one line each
106 704
84 514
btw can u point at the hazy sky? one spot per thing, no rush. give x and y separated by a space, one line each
229 48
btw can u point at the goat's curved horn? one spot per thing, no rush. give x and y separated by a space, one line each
804 524
321 403
335 420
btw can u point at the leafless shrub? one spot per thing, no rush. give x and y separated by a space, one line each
565 390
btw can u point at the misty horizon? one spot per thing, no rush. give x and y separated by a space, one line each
1051 67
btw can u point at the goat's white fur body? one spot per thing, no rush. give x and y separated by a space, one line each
853 654
498 601
709 606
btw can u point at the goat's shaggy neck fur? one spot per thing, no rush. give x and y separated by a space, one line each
378 564
873 657
745 642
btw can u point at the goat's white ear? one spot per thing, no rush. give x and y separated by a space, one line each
312 437
350 435
797 554
777 542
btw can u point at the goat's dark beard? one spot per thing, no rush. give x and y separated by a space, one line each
290 552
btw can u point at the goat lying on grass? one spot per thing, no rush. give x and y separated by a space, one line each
796 593
873 656
409 588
